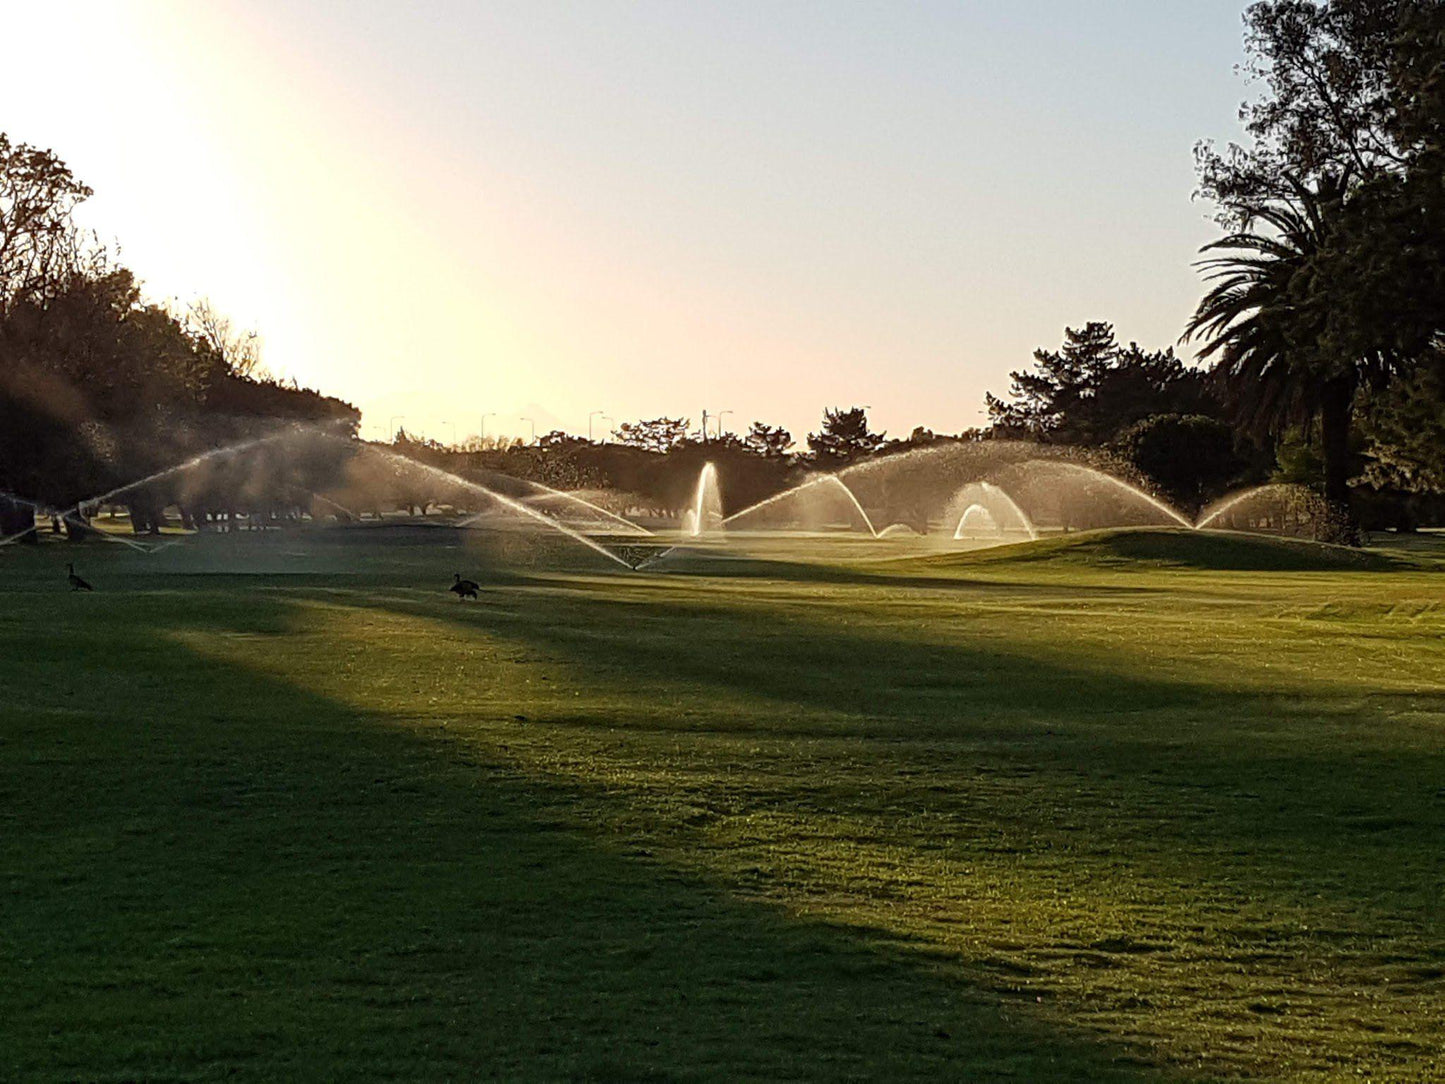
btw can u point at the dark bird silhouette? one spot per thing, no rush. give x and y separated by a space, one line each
463 588
76 583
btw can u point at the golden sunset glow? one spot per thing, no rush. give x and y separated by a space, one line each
452 210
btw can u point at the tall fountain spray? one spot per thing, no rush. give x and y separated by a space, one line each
705 516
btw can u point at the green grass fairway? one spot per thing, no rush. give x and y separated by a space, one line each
1131 806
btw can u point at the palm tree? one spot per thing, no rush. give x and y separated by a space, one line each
1267 319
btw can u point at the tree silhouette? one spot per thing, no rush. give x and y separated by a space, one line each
99 387
239 351
657 435
1330 105
40 247
1267 344
1091 389
1333 273
768 441
1189 456
1040 402
844 437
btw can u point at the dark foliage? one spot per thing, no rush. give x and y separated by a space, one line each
1092 389
657 435
1190 457
843 438
99 387
1332 277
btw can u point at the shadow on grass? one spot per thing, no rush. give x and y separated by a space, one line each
209 873
1203 766
829 660
899 574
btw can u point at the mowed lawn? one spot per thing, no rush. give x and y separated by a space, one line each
1145 807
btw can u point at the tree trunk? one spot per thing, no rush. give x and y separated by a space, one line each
1337 399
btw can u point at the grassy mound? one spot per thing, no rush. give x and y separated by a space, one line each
1169 547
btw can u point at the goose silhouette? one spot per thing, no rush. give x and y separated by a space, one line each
463 589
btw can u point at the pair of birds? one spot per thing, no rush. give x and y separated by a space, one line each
463 588
460 587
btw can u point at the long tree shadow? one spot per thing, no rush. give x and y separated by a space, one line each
876 676
210 873
1103 743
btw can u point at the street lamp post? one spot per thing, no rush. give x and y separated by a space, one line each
594 414
482 429
721 415
394 419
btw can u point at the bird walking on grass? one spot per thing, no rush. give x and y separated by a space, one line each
76 583
463 588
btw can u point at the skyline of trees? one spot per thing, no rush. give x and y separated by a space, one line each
1320 328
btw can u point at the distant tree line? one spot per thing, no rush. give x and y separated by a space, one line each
99 386
651 466
1321 336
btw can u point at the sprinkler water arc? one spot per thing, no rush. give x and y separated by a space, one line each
822 480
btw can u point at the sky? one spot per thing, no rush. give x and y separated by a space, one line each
459 215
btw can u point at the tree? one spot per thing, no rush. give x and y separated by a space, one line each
1405 424
238 351
1092 388
1039 402
657 435
99 387
1188 455
39 243
1264 320
1329 109
844 436
1332 274
768 441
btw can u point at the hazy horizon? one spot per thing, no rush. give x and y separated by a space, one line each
549 210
